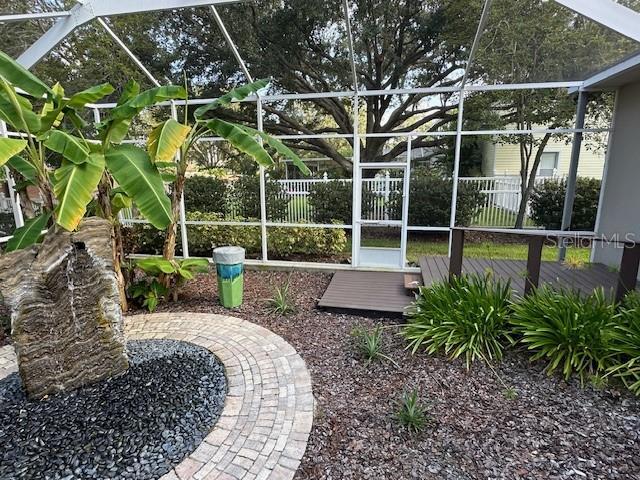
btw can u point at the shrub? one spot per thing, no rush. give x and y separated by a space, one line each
145 239
314 241
204 238
283 241
332 201
205 194
430 200
245 197
465 316
624 344
547 201
411 413
569 330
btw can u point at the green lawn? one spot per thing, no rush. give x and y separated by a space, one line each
417 248
496 216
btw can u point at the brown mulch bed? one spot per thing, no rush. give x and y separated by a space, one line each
553 429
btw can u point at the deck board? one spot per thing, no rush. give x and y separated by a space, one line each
585 279
367 291
385 292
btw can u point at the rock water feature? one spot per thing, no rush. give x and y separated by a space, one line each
65 308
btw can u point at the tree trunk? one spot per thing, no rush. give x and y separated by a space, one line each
528 180
67 325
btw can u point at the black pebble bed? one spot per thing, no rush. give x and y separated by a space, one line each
138 425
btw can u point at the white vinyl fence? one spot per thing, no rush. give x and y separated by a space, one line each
502 198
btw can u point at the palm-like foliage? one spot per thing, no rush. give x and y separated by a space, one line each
465 317
624 344
567 329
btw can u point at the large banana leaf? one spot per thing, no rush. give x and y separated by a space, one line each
165 140
90 95
279 147
130 90
23 167
10 147
72 148
139 178
17 75
114 129
74 187
16 110
236 94
146 99
156 266
240 139
51 114
29 234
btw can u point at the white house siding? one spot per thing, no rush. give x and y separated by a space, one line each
504 159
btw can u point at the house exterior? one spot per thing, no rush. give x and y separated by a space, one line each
503 159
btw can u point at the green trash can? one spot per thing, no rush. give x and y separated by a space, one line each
230 271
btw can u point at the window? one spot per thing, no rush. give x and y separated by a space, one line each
548 164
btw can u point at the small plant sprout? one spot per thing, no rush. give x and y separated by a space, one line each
598 381
510 393
369 343
281 304
412 414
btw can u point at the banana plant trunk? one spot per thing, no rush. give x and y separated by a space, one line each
104 199
169 248
67 323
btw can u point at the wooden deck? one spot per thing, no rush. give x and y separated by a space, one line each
385 292
586 279
366 291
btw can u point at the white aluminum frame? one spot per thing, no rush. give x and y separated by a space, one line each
606 12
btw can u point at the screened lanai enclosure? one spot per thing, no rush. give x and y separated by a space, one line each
414 119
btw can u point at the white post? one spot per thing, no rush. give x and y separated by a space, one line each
356 183
405 206
184 238
263 192
14 197
456 166
387 188
325 177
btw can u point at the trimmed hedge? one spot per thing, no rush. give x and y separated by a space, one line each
547 201
430 200
241 196
283 241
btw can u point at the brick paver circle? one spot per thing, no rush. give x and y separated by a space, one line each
268 413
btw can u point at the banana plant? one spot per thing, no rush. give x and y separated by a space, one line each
172 140
87 165
47 123
151 289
